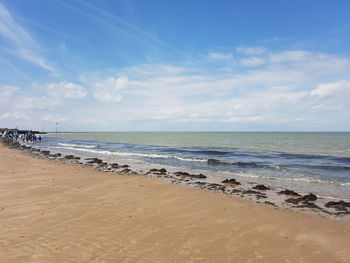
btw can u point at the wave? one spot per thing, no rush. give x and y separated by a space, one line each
76 145
276 167
244 164
313 156
310 180
89 148
147 155
332 167
304 180
198 151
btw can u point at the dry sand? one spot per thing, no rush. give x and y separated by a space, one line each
57 212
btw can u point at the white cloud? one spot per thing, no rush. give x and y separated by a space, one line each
212 56
53 118
12 97
8 94
246 119
299 90
8 90
251 50
14 116
327 89
63 90
109 90
35 103
279 94
20 42
327 107
290 56
252 61
154 69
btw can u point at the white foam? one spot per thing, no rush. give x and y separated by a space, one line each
306 180
147 155
76 145
89 149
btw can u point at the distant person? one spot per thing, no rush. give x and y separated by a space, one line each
26 137
39 138
15 135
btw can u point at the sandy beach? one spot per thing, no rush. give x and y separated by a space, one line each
58 212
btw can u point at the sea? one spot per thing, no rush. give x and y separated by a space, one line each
317 162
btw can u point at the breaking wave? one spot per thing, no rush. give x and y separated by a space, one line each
76 145
146 155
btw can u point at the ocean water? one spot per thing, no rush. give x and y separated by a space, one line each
309 162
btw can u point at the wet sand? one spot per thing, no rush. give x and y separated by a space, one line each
59 212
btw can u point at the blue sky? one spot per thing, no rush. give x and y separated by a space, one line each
175 65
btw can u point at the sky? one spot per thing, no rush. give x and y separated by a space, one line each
199 65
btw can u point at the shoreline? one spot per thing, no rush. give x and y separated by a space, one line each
324 175
53 211
285 199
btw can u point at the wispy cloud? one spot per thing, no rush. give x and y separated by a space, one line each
54 118
16 69
30 102
251 50
51 96
219 56
123 26
14 116
20 43
65 90
252 61
56 32
7 90
331 32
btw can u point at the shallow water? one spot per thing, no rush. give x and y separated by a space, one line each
310 162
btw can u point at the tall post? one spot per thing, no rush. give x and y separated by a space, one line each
56 127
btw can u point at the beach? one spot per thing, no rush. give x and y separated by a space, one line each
279 172
60 212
